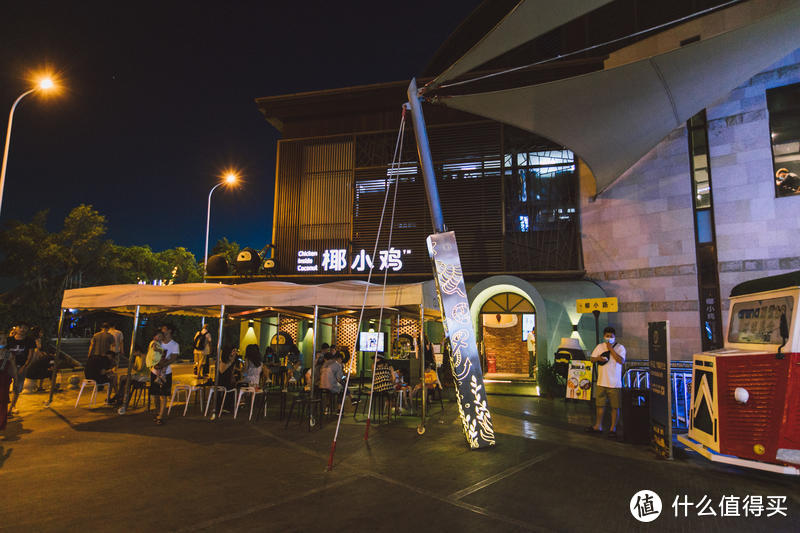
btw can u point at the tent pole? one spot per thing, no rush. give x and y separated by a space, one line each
219 343
313 365
421 354
55 359
127 396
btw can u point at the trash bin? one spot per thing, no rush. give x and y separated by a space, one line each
636 416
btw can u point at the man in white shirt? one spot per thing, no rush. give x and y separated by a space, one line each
609 356
160 389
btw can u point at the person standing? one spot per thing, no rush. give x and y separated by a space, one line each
21 347
161 373
201 345
609 356
119 344
531 341
102 341
8 371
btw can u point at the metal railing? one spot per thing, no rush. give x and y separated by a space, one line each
637 376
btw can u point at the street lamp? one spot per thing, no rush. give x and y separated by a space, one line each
45 83
229 178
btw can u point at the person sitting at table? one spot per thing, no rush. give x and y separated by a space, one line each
383 379
275 370
139 374
401 385
331 373
227 369
100 368
254 370
431 380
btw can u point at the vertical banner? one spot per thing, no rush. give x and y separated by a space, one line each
660 388
457 321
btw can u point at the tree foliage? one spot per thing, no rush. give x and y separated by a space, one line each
41 264
224 246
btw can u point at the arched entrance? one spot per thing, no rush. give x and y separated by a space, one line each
505 321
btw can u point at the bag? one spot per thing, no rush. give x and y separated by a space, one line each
607 355
199 341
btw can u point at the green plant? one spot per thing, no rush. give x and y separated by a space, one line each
551 383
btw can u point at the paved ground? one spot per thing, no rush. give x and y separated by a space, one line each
63 468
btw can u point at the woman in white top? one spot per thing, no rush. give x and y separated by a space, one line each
254 368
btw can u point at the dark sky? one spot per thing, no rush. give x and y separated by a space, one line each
159 99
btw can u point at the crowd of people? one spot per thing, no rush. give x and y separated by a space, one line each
22 356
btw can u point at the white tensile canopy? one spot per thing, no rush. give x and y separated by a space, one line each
612 118
205 299
528 20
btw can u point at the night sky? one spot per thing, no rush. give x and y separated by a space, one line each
159 99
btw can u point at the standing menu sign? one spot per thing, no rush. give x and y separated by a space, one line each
660 388
579 380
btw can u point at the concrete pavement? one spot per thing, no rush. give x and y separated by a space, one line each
63 468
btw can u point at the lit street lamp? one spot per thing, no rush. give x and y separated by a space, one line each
230 178
44 84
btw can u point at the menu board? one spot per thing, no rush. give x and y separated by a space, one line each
579 380
660 388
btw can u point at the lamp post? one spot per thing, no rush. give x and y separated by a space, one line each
230 178
44 84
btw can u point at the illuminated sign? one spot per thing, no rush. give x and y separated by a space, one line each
464 360
307 261
336 260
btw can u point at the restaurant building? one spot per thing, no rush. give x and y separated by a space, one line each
700 213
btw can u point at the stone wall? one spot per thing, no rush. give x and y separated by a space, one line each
638 244
757 233
638 236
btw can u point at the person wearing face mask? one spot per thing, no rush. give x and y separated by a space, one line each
609 356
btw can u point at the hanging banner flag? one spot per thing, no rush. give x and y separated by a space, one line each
464 360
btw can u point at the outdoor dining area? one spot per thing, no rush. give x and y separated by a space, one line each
301 328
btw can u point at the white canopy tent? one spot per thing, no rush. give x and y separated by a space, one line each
205 299
612 118
214 300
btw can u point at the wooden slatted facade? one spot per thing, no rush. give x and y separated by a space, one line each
330 190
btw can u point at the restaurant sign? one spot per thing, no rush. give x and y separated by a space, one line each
338 260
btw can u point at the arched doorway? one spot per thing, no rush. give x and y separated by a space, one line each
506 319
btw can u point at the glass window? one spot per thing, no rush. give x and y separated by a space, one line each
783 104
524 223
758 321
704 226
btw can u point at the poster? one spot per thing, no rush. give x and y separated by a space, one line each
660 388
579 380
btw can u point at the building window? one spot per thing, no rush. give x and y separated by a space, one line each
542 226
783 104
705 237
